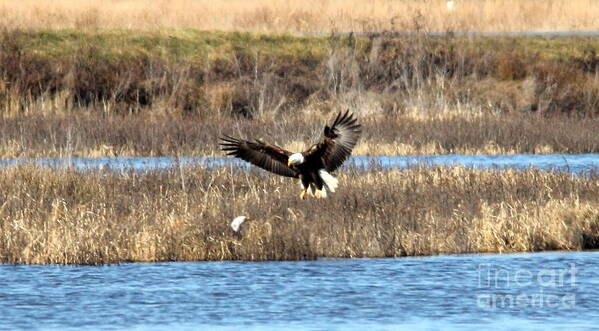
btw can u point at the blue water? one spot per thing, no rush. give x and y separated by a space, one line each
575 163
543 290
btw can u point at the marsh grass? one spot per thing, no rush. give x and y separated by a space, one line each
108 93
94 135
71 217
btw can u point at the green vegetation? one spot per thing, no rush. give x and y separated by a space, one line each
177 45
183 44
242 73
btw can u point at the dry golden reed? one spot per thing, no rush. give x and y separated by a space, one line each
95 135
183 214
303 16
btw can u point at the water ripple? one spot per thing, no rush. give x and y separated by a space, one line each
455 292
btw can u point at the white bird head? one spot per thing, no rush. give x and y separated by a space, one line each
295 158
236 223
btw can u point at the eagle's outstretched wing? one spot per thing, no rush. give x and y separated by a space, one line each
266 156
339 140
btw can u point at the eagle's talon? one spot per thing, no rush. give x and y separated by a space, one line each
303 194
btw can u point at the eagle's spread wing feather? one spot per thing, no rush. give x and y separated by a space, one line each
339 140
265 156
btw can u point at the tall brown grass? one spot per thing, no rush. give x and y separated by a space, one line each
305 16
95 135
71 217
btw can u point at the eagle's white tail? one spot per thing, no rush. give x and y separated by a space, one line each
330 182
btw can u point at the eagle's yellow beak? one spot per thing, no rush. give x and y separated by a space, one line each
289 163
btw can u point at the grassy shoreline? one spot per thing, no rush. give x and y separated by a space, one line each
71 217
171 92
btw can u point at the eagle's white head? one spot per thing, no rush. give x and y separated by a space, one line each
295 158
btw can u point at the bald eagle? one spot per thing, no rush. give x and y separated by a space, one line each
314 166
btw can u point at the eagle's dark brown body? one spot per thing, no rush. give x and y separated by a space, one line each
314 165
